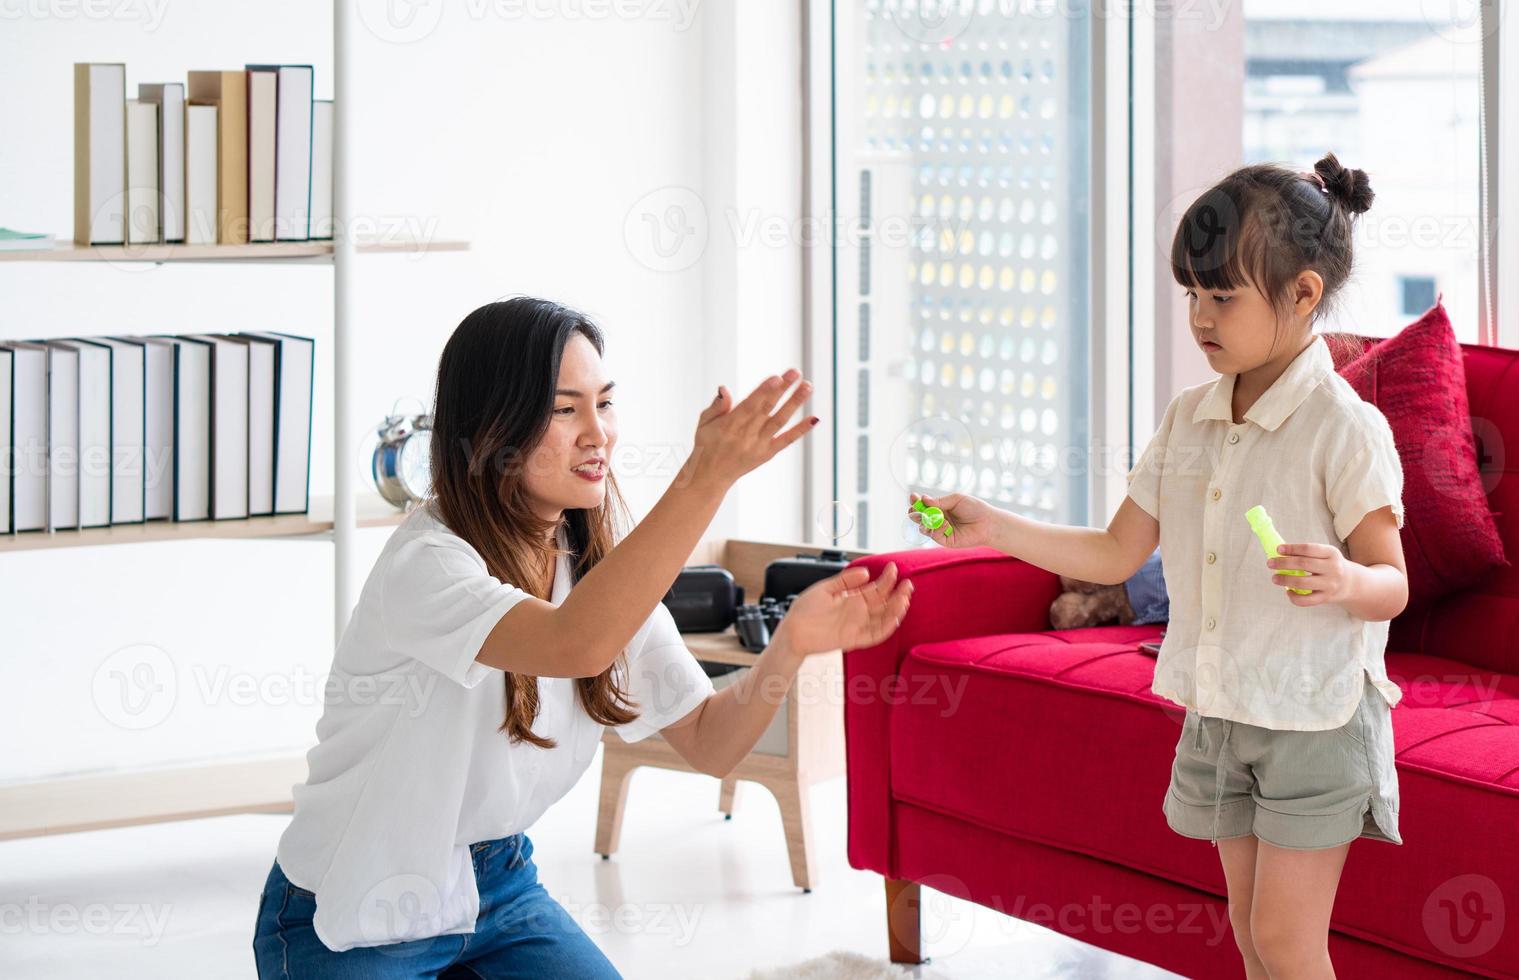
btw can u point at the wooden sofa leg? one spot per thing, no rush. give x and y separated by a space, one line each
904 932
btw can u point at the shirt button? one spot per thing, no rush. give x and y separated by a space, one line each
1212 622
1234 437
1216 493
1212 557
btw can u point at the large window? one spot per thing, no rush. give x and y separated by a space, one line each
983 337
1392 86
961 174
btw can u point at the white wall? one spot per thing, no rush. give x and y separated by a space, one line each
545 138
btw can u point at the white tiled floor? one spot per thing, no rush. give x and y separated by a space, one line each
688 896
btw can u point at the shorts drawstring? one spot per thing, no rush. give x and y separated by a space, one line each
1218 780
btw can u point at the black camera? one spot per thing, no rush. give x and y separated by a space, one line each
789 576
704 599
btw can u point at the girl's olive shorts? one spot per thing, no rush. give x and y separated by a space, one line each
1293 789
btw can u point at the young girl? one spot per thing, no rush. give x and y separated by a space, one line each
1286 751
503 628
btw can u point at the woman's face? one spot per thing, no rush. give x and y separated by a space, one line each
582 427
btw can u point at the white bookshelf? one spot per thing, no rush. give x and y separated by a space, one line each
89 802
124 799
371 511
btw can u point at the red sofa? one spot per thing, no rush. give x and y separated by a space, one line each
1022 768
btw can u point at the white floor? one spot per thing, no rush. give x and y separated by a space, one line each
688 896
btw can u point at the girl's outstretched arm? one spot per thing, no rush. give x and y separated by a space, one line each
1093 554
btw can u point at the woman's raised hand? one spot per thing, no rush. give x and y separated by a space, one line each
733 439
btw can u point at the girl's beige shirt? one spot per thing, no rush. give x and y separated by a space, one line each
1319 458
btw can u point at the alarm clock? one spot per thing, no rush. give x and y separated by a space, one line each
401 465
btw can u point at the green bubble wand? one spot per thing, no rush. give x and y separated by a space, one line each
933 517
1261 524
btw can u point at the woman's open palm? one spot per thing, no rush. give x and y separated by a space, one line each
847 611
732 440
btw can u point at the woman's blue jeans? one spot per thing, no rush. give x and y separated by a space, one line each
521 932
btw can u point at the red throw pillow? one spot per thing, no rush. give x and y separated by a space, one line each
1418 379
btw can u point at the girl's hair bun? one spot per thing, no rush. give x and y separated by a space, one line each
1352 188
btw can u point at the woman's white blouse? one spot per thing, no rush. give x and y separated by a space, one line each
409 768
1319 458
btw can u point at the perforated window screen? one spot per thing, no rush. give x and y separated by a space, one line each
962 133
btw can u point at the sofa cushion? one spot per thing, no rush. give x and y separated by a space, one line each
1418 380
1055 738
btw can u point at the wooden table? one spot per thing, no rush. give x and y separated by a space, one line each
803 746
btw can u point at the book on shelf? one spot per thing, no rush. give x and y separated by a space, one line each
228 92
142 173
192 429
100 164
128 364
62 436
228 446
129 429
294 371
201 175
253 147
170 99
157 426
263 104
91 461
261 413
293 94
29 418
321 168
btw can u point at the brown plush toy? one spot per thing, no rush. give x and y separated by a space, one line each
1089 604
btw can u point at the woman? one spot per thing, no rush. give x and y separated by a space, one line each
504 626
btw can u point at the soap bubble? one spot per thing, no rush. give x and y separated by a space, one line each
934 456
911 537
834 521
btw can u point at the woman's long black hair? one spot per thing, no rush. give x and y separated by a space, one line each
493 403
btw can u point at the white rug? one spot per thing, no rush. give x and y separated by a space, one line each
845 966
